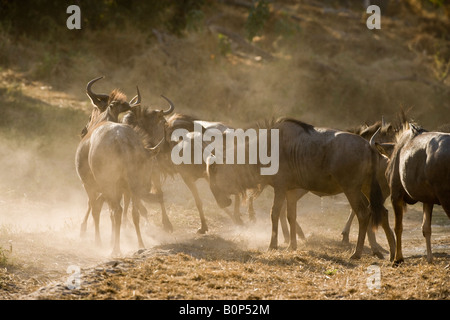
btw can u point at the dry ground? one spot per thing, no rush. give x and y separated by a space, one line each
230 262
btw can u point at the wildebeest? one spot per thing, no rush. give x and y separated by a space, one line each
155 122
317 160
418 170
111 159
386 134
100 102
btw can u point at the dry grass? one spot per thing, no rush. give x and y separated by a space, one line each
230 262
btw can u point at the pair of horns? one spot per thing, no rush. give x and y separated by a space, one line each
98 98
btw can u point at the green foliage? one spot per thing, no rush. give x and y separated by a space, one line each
38 18
438 3
224 44
285 27
257 17
441 67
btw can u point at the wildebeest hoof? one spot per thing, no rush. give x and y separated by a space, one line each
116 253
83 230
168 228
378 254
397 263
356 256
202 230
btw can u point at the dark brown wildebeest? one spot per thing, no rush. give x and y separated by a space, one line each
109 160
317 160
418 170
155 122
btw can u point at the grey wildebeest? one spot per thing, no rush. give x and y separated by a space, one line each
111 159
318 160
100 102
386 134
418 171
154 122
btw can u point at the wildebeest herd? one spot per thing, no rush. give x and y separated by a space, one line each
125 151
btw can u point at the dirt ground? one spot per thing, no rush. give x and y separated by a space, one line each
43 256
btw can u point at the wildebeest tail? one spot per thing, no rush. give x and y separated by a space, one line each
376 207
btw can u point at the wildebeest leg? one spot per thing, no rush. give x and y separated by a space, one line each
142 210
117 214
445 202
126 204
251 209
297 194
85 220
279 198
198 202
389 235
426 228
237 211
358 202
284 224
291 209
96 207
376 248
398 206
156 181
346 231
135 212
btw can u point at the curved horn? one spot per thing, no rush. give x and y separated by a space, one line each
171 108
137 99
154 150
372 140
96 99
383 122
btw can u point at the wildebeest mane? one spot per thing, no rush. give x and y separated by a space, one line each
117 95
400 141
180 121
273 123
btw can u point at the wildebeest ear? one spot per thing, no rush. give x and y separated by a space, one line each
385 149
415 129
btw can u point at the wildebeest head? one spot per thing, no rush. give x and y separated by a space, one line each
220 182
386 149
115 102
152 121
